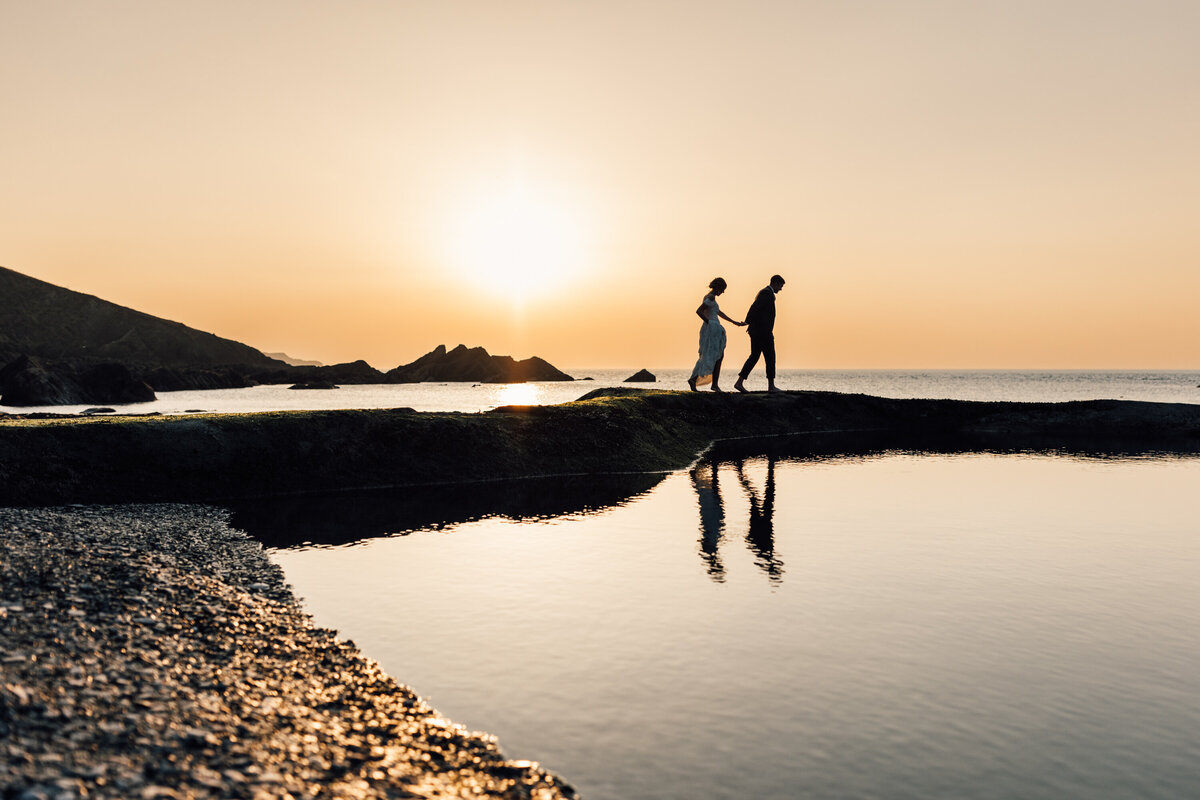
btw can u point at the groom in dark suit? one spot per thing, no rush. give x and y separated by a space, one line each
760 324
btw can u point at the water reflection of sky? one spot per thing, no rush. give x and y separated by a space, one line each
891 626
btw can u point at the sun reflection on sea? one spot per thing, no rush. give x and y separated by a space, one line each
518 394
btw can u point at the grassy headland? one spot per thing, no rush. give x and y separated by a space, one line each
229 456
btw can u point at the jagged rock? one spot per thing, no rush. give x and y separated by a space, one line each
474 365
641 376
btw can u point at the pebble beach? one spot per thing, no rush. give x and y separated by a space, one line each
154 652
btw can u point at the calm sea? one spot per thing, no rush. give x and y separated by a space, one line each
1166 387
852 625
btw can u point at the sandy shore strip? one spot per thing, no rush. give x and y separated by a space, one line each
153 652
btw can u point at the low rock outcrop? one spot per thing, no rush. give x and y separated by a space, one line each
641 376
351 372
31 382
173 379
316 384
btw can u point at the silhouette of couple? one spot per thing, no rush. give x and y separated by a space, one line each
760 324
760 532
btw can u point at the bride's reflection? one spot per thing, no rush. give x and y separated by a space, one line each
760 532
712 516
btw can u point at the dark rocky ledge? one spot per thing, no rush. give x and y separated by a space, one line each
153 652
215 457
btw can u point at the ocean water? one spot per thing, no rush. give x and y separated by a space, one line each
852 625
1164 387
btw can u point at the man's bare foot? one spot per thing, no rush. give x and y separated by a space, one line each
738 385
774 389
716 388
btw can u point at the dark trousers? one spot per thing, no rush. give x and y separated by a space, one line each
761 344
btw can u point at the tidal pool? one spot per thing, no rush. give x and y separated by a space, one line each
895 625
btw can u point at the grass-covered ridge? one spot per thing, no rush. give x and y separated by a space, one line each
226 456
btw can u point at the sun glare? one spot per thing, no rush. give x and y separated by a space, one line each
518 394
517 243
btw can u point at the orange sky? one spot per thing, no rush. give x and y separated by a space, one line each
943 184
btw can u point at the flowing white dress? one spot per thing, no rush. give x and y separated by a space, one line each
712 343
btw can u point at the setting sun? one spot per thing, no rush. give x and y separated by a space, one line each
516 242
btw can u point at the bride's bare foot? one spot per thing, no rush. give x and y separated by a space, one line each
692 383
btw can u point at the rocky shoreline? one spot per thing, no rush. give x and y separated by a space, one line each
154 652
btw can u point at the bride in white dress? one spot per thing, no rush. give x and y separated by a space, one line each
712 339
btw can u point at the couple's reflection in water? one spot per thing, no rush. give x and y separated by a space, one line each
760 529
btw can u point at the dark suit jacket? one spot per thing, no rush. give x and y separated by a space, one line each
760 318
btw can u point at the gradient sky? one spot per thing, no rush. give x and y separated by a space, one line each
944 184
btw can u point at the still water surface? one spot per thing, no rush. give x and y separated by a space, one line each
890 626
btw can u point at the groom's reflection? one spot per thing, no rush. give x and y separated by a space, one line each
760 535
760 532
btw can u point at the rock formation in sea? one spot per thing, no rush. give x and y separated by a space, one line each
476 365
641 376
